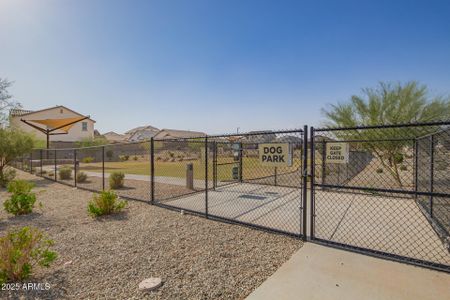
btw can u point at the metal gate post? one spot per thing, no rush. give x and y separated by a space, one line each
431 173
41 162
304 214
206 176
214 165
241 157
75 166
31 162
103 168
56 169
416 164
152 171
313 161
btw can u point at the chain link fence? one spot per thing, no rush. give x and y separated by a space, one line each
386 194
394 200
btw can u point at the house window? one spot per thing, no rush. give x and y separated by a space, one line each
84 126
61 111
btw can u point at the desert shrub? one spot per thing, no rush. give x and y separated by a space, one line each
7 176
379 170
65 173
43 172
403 168
135 157
105 203
81 177
171 154
21 250
22 199
158 158
116 180
124 157
51 174
398 158
87 159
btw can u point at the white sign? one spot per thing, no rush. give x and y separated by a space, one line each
275 155
337 153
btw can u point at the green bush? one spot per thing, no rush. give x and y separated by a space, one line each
81 177
22 199
124 157
6 176
21 250
379 170
135 157
65 173
398 158
116 180
87 159
105 203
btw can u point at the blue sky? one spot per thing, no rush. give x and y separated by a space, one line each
216 65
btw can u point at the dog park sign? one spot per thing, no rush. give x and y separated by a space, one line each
337 153
275 154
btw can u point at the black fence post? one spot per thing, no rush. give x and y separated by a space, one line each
206 176
103 168
304 214
416 165
214 165
75 166
54 159
431 173
241 158
41 161
152 171
324 166
31 162
275 173
312 170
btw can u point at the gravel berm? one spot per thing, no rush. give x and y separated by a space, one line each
107 258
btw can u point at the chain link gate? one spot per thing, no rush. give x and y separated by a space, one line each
383 191
221 177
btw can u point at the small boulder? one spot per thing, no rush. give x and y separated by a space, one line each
150 284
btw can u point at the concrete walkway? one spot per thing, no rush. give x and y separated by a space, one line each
319 272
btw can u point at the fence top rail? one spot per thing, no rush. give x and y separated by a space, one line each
403 125
188 139
364 141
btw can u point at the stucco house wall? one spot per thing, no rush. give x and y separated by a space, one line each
76 133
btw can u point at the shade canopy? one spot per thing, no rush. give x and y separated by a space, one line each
59 124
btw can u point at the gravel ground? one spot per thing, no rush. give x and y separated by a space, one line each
107 258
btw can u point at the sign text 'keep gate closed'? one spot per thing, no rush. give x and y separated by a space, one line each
337 153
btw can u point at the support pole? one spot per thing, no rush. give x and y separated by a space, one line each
75 166
41 160
206 176
103 168
152 171
431 174
304 205
312 168
56 178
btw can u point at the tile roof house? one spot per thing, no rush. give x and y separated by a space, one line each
114 137
76 132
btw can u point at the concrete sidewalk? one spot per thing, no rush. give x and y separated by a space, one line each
319 272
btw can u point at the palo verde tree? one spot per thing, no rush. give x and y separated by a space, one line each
5 100
388 103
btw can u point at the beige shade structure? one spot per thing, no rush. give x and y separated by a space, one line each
53 125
